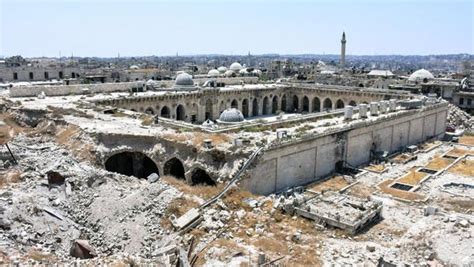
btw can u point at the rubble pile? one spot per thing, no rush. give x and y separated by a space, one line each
65 208
457 118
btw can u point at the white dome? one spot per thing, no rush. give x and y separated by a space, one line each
257 72
235 66
134 67
420 75
229 73
231 115
243 71
184 79
222 69
213 73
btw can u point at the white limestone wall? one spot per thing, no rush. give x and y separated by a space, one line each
300 163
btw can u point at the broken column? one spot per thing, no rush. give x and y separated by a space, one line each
393 105
363 110
348 111
374 109
383 106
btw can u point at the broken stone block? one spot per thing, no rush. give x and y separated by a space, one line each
82 250
464 223
189 217
153 177
430 210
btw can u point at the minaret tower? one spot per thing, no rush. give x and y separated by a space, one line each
343 50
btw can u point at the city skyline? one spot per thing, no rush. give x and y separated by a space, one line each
164 28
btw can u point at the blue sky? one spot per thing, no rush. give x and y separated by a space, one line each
141 28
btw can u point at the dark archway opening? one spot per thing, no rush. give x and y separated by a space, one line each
175 168
200 177
283 104
255 107
234 104
180 113
245 108
352 103
327 104
209 110
305 104
316 105
339 104
165 112
295 103
132 164
265 106
275 105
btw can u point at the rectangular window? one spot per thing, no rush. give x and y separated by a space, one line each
73 75
46 75
60 75
31 76
15 76
469 101
461 101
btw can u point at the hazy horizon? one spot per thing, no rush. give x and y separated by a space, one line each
105 28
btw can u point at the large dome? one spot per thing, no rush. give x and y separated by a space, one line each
231 115
213 73
235 67
420 75
184 79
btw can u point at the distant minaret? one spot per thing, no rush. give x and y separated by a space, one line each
343 50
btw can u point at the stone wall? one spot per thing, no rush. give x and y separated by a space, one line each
76 89
305 161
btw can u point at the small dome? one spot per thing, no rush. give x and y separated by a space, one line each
222 69
243 71
213 73
184 79
235 66
229 73
420 75
257 72
134 67
231 115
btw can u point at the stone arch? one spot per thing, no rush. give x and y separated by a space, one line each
255 107
165 112
180 113
209 110
295 103
316 105
283 106
352 103
131 163
200 177
275 105
339 104
234 104
327 104
305 104
265 105
175 168
150 111
134 110
245 107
